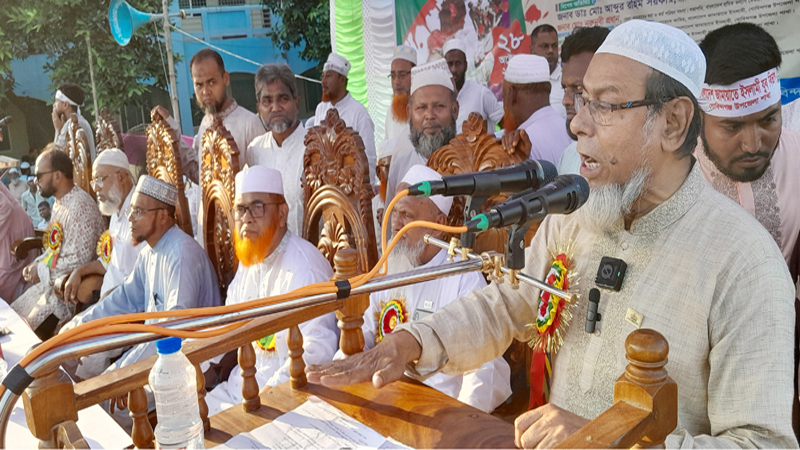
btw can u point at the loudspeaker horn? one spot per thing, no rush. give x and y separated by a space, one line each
124 20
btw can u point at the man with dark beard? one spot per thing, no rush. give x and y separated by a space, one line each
744 153
335 95
485 387
526 94
211 81
72 236
698 267
472 97
283 145
113 184
432 120
272 261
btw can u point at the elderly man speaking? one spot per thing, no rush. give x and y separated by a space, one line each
698 266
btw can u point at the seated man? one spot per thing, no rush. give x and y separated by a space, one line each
697 263
272 261
73 232
113 184
484 388
171 272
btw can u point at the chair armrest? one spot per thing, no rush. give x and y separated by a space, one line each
22 247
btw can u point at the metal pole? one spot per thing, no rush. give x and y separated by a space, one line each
91 76
176 112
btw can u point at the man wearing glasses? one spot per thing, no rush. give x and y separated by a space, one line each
71 239
403 60
700 270
113 185
272 261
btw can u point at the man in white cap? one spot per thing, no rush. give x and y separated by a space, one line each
544 43
695 264
526 95
16 186
71 241
272 261
68 100
172 272
282 147
472 97
484 388
335 95
403 60
432 114
113 185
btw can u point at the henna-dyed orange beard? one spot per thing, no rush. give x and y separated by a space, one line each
325 97
400 107
509 124
253 251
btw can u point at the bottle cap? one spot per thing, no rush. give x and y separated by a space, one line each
168 346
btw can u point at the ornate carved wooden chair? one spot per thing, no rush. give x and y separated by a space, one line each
220 163
337 191
107 133
78 151
164 163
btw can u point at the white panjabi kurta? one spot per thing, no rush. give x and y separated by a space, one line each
701 271
570 161
60 141
393 127
123 252
288 160
548 134
355 115
405 156
557 92
484 388
294 264
30 203
175 274
476 98
773 199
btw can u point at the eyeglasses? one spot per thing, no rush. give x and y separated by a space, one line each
41 174
136 213
601 111
256 210
97 183
399 74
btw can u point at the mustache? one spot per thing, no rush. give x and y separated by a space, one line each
760 154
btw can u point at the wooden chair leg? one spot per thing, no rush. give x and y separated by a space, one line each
142 432
201 398
247 365
49 401
351 315
297 366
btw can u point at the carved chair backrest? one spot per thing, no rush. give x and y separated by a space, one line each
164 163
107 134
78 150
337 190
219 165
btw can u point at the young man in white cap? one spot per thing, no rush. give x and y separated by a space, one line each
695 263
113 184
433 109
472 97
272 261
403 60
282 147
335 95
172 271
484 388
72 236
526 94
544 43
68 100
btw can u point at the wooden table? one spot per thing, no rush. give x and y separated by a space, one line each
408 411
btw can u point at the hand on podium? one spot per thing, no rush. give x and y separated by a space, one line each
384 363
546 427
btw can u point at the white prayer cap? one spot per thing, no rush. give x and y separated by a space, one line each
419 173
454 44
434 73
13 170
527 69
157 189
111 157
337 63
25 165
661 47
405 52
260 179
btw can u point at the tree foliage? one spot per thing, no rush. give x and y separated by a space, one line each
302 22
58 28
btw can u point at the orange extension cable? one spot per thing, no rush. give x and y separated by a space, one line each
122 323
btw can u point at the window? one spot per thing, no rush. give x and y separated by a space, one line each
266 18
231 2
188 4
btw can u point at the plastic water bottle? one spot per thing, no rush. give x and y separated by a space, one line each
174 384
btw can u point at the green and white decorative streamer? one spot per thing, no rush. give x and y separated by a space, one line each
349 42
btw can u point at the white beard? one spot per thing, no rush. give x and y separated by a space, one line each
608 205
404 258
114 202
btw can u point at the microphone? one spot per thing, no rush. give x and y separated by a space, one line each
592 316
562 196
527 174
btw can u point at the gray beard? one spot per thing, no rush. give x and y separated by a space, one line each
404 257
608 205
279 127
425 145
112 205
